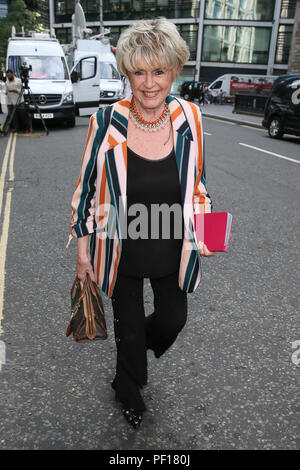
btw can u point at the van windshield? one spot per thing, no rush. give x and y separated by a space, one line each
43 67
108 70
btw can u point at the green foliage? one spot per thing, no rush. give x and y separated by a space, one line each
18 16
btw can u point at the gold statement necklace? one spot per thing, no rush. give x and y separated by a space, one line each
149 126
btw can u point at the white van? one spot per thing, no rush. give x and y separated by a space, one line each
95 77
49 79
230 84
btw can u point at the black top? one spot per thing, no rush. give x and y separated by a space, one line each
156 253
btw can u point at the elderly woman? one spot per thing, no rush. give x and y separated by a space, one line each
142 153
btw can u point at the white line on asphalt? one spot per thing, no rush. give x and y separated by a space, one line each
207 133
250 127
220 120
270 153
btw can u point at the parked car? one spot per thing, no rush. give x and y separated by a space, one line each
191 94
282 110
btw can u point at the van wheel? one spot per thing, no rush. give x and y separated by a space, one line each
275 128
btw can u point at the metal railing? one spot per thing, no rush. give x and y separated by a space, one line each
250 104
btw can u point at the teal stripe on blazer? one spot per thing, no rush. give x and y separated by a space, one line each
107 158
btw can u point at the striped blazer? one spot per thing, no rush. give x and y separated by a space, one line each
100 193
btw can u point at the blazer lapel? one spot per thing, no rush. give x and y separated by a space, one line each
184 146
116 156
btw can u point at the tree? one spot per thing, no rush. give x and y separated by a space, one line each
18 16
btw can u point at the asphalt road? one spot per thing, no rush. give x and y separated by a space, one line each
228 382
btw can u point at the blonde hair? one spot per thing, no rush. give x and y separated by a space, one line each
157 41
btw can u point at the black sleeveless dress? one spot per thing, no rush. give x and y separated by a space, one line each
153 244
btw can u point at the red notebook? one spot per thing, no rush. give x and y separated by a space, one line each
214 228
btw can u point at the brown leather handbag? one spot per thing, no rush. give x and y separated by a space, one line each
87 320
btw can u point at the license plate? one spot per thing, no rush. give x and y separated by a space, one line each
44 116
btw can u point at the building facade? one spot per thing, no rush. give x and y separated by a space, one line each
40 6
241 36
3 8
294 57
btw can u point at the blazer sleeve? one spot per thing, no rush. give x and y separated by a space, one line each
201 198
84 197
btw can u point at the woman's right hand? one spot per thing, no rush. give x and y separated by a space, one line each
83 267
83 260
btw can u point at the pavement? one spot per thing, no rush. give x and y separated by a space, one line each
225 113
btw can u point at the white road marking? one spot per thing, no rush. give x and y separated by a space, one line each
270 153
256 128
220 120
207 133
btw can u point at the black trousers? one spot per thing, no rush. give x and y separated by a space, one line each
135 333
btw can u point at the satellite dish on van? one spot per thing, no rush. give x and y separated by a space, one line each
79 16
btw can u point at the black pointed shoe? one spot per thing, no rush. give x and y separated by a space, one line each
133 417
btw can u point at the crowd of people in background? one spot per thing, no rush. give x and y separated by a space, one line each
198 91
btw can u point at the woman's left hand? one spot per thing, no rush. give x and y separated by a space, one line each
204 251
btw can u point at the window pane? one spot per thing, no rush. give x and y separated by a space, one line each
258 10
127 9
43 67
239 44
284 40
64 35
108 71
189 33
139 9
288 8
88 68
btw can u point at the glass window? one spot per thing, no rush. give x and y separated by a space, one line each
63 10
284 90
139 9
256 10
217 85
239 44
3 8
64 35
128 9
88 68
109 71
288 8
189 32
43 67
284 40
